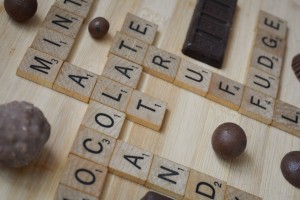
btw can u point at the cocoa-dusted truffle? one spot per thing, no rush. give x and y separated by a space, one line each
98 27
290 168
23 132
21 10
229 140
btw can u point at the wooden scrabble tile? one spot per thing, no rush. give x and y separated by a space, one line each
225 91
122 71
78 7
130 162
103 119
146 110
275 25
75 82
93 146
193 78
139 28
236 194
53 43
262 82
266 62
204 187
63 21
84 175
129 48
65 193
161 64
168 177
287 117
270 43
257 106
111 93
39 67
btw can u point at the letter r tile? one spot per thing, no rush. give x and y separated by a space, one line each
225 91
130 162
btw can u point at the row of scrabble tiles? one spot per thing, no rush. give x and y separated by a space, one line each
268 52
94 154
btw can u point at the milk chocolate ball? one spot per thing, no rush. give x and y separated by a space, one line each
229 140
296 66
98 27
23 132
21 10
290 168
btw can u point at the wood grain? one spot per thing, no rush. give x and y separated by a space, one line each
186 132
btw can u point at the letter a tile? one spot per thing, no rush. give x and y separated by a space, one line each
130 162
75 82
161 64
85 176
139 28
168 177
204 187
39 67
103 119
146 110
225 91
129 48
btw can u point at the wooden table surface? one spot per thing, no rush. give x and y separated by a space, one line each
190 120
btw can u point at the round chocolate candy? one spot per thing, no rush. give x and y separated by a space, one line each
98 27
229 140
290 168
23 132
296 66
21 10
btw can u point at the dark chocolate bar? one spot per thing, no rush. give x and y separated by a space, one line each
208 33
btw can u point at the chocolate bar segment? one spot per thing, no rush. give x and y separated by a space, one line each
209 30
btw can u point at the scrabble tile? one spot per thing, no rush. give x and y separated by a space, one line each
129 48
103 119
75 82
262 82
257 106
266 62
53 43
270 43
78 7
139 28
146 110
63 21
168 177
111 93
161 64
236 194
193 78
122 71
84 175
225 91
204 187
39 67
93 146
130 162
287 117
274 24
65 193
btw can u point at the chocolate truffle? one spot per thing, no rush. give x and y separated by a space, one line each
98 27
229 140
23 132
21 10
296 66
290 168
155 196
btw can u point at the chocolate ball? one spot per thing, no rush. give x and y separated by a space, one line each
296 66
98 27
21 10
290 168
229 140
23 132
